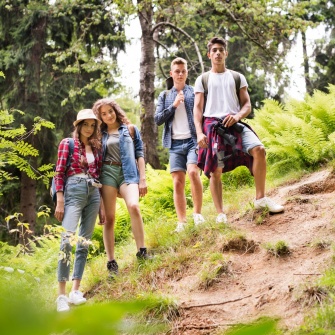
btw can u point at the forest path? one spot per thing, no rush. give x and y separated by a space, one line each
259 284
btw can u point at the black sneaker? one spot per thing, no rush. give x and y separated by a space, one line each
142 254
112 267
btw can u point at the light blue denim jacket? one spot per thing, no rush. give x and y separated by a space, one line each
165 113
130 151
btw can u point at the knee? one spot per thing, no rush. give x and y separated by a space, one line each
110 222
66 241
134 208
216 175
178 184
193 174
258 152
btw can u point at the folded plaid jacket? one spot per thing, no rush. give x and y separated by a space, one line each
207 160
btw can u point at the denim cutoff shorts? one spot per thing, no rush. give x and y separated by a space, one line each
182 153
112 175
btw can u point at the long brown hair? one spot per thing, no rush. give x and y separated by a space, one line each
119 112
94 139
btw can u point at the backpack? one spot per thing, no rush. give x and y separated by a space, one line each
68 162
237 79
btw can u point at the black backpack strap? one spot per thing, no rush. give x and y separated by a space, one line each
71 149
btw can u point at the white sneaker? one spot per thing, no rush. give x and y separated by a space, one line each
198 219
269 204
180 227
221 218
76 298
62 303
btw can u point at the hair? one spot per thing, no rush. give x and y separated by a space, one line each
178 61
119 112
216 40
93 140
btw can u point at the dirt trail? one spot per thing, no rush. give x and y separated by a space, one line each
260 284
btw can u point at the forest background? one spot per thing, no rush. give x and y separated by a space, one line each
59 57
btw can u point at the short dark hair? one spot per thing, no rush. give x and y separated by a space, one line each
216 40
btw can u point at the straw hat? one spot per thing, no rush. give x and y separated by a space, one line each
85 114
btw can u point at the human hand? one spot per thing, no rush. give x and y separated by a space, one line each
102 216
202 140
179 99
59 211
230 120
142 188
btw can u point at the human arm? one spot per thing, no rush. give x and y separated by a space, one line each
198 115
102 215
245 110
143 190
163 114
61 168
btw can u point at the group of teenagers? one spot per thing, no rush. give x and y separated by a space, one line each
108 162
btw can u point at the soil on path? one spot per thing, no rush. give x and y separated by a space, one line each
258 283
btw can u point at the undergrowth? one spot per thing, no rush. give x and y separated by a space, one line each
133 301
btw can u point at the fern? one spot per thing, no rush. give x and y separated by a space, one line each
299 134
14 151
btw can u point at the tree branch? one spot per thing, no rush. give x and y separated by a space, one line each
245 32
186 34
216 303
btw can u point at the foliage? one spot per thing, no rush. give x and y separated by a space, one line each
211 270
299 135
323 61
263 326
237 178
59 56
15 151
259 33
277 249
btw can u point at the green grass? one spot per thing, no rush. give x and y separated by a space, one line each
198 251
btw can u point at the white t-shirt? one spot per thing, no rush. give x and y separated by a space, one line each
221 98
180 127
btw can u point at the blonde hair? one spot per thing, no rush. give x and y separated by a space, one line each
178 61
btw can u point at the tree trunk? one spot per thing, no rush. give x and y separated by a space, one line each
309 88
149 129
32 108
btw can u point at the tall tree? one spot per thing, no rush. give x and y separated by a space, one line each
262 30
57 58
324 52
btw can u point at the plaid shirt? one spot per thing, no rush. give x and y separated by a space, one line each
75 167
207 160
165 113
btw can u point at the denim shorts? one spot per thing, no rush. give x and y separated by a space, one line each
182 153
249 140
112 175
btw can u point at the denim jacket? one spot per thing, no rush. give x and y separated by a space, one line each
165 113
130 151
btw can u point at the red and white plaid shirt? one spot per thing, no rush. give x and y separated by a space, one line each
93 169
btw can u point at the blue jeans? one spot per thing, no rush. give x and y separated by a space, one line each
182 152
82 203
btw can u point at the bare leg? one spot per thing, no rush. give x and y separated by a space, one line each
62 288
109 195
179 198
130 193
215 184
259 170
196 187
75 284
